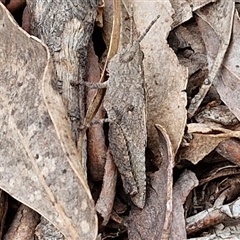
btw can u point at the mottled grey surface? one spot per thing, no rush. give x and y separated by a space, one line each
125 105
37 167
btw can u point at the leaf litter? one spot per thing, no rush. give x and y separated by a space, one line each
207 144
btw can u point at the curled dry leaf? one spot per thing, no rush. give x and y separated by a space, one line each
215 23
105 201
154 220
227 83
40 164
165 78
26 20
219 172
95 137
202 134
186 182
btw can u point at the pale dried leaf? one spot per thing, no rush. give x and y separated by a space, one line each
154 220
202 143
40 166
227 83
215 23
206 128
165 79
182 12
183 9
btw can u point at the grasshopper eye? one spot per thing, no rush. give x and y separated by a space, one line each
130 108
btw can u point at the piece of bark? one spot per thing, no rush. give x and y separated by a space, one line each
95 136
186 182
105 201
67 36
213 216
154 220
23 225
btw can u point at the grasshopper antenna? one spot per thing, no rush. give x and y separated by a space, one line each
147 29
131 25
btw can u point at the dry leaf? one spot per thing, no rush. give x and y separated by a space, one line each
184 8
154 220
215 23
227 83
106 199
230 149
95 137
204 141
40 166
165 79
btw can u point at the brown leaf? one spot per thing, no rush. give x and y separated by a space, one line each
154 220
230 149
105 201
26 20
204 141
95 136
227 83
39 159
